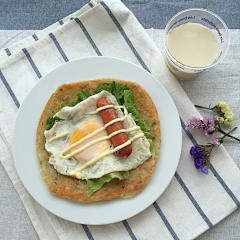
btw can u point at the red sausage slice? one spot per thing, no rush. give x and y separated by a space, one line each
108 115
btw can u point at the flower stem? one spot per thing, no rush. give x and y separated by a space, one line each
202 107
228 134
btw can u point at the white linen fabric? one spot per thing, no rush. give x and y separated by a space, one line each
192 203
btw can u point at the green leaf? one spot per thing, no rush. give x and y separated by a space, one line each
62 104
128 97
130 106
95 184
105 86
51 120
84 94
115 88
152 148
119 90
72 104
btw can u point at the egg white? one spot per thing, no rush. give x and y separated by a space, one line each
74 116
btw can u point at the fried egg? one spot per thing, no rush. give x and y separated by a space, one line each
79 123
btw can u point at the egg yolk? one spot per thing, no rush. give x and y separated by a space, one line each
93 151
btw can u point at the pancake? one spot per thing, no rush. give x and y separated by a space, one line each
76 189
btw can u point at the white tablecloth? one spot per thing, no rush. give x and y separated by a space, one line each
220 83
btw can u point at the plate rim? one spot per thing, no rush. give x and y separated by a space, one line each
53 71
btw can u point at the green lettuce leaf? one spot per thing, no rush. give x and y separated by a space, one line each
84 94
51 120
115 88
95 184
72 104
130 106
62 104
105 86
152 148
119 90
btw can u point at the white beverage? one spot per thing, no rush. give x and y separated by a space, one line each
193 45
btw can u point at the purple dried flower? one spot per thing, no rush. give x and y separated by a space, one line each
205 121
204 170
197 155
201 156
198 162
195 150
207 125
212 119
193 123
214 140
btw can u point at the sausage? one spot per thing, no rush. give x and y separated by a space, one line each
108 115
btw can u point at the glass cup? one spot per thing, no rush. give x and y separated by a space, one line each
206 18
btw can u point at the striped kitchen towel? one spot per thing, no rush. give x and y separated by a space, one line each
192 203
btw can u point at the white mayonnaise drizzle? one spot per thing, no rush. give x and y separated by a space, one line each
77 172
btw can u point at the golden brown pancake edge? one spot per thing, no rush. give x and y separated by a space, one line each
76 189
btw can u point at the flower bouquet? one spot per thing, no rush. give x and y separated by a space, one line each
209 126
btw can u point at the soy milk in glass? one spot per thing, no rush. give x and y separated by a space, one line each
195 39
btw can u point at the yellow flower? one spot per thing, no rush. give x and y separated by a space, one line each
221 104
227 122
221 119
227 114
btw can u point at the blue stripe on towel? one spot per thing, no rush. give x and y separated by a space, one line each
125 36
8 52
32 62
87 231
9 90
35 37
126 225
205 218
221 181
224 185
90 5
58 47
88 36
61 22
167 224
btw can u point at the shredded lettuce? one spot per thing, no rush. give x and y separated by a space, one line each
72 104
130 106
95 184
62 104
115 88
152 148
51 120
84 94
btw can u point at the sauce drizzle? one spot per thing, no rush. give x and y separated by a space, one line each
58 136
77 172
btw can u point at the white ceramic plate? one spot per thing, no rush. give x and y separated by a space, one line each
24 141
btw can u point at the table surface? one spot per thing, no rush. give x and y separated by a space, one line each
34 14
23 16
